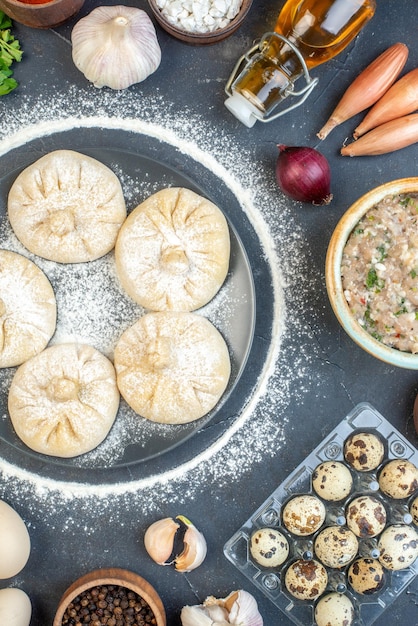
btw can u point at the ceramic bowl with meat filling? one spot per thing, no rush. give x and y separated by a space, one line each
372 272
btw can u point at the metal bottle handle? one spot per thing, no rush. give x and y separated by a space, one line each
302 94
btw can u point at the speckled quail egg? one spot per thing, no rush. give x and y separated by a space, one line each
366 576
334 609
398 546
336 546
332 481
269 547
364 451
306 580
366 516
304 515
413 509
399 479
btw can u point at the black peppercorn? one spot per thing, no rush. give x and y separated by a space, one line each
108 606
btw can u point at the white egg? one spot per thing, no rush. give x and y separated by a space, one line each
14 542
15 607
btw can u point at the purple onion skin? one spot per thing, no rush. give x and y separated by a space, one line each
304 174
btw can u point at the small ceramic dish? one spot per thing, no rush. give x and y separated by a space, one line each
333 279
117 578
201 38
39 14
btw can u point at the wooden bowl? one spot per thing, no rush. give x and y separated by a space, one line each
43 15
339 304
201 38
117 577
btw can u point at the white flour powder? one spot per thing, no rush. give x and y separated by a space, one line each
258 432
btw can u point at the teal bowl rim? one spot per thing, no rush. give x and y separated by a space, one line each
333 275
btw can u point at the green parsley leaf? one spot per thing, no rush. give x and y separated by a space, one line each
10 52
373 281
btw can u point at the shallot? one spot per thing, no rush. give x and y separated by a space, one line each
399 100
304 174
394 135
368 87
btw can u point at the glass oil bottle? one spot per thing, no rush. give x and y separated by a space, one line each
307 33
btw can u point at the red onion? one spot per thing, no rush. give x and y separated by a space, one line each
304 174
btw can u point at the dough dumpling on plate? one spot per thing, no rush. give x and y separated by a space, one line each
28 309
172 367
172 252
63 401
67 207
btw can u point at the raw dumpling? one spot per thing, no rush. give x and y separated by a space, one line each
67 207
63 402
172 252
28 310
172 367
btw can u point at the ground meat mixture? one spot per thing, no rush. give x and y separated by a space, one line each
379 271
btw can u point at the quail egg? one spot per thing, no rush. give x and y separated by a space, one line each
336 546
306 580
336 609
366 516
414 511
304 515
332 480
364 451
269 547
398 546
398 479
366 576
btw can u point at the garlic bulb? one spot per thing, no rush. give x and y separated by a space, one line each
175 541
115 46
239 608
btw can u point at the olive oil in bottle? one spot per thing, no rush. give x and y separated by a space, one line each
307 33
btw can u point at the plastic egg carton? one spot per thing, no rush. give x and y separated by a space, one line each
363 418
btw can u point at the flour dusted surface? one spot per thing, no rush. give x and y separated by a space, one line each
244 444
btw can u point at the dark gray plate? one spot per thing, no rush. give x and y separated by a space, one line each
144 166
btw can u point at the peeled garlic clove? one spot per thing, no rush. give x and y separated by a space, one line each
195 548
115 46
243 609
159 540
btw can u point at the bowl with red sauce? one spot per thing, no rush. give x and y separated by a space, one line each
41 13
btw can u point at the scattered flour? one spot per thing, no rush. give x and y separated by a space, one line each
257 433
